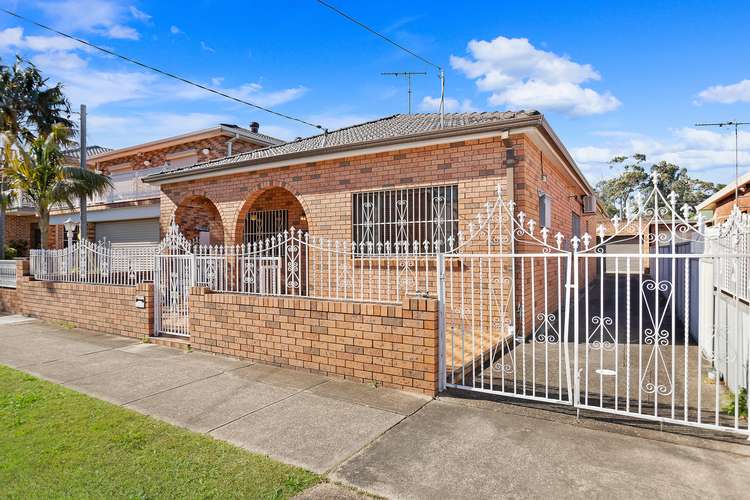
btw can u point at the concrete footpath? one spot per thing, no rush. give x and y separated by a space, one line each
384 442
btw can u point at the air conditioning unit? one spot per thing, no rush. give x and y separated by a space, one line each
589 204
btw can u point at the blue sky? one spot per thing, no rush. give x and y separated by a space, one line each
611 77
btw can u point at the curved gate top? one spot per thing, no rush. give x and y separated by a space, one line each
174 274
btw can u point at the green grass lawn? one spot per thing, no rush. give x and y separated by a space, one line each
55 443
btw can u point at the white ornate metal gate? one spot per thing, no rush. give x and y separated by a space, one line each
649 322
650 318
506 308
174 274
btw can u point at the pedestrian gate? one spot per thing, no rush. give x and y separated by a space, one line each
174 274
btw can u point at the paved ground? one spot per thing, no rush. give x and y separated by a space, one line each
384 442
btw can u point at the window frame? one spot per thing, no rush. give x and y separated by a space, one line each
396 217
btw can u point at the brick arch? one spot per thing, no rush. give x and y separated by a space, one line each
196 212
273 196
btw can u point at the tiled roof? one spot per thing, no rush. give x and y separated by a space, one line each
75 154
390 127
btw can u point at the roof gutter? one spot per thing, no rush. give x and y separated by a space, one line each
227 169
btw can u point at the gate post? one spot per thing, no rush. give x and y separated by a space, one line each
576 319
441 321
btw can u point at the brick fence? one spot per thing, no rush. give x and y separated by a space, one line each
99 308
393 345
10 297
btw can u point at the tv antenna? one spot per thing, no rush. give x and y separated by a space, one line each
736 126
407 75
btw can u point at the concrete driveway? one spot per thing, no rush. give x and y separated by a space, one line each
385 442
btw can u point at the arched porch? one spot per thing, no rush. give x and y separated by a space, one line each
267 213
199 220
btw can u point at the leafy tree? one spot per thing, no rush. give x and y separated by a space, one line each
614 193
634 178
38 170
28 107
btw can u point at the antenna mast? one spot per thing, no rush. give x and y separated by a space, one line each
736 126
407 75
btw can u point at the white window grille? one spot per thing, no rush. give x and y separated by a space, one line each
261 225
400 217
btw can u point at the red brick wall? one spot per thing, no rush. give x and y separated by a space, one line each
99 308
395 345
217 149
324 189
725 207
8 300
18 227
196 213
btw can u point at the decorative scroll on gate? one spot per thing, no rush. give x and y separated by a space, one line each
652 303
174 274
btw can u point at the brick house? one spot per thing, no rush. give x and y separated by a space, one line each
719 206
376 183
322 183
129 213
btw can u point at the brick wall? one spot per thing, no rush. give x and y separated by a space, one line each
19 227
99 308
8 300
324 189
394 345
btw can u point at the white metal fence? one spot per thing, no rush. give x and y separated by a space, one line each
95 263
8 273
524 311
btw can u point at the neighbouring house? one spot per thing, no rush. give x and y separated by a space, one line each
719 206
129 212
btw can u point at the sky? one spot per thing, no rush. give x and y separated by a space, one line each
612 78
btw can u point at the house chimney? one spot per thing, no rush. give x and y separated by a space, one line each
254 126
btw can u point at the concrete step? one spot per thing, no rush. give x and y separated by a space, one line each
173 342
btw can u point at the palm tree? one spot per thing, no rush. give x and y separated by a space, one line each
28 108
37 170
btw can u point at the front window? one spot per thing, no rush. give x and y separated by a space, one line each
394 219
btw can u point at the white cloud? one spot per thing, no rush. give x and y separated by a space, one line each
706 154
451 105
726 94
102 17
175 30
517 74
14 39
206 48
139 14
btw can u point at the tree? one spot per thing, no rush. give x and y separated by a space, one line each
38 170
28 108
615 193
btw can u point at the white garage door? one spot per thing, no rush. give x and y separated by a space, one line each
129 232
620 264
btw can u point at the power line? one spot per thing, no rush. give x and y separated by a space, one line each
441 73
162 72
376 33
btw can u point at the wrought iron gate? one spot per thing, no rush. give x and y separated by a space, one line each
174 274
650 318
